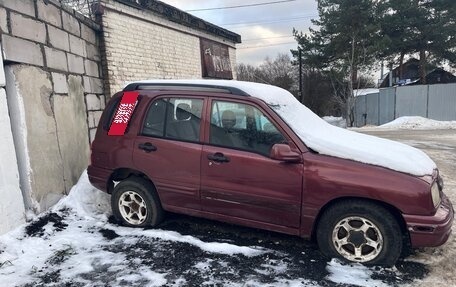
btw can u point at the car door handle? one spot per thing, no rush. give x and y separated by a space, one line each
147 147
218 157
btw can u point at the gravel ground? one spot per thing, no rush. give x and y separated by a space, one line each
68 248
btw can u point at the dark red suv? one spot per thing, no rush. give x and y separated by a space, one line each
251 154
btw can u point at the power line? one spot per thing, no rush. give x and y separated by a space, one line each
240 6
243 25
262 46
265 38
304 16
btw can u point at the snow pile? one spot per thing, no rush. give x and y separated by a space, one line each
352 274
325 138
86 200
419 123
213 247
336 121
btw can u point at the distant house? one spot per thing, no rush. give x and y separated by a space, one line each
438 76
411 75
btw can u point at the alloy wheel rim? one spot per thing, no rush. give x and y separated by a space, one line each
357 239
133 207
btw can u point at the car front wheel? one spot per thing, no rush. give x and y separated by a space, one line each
135 203
360 231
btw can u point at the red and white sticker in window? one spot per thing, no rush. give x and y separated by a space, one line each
123 114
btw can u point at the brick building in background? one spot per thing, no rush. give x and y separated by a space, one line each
156 40
60 68
153 40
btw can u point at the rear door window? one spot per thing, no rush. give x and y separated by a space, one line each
174 118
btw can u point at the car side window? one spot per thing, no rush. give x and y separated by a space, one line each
174 118
242 126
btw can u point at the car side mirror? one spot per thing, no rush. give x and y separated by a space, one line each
283 152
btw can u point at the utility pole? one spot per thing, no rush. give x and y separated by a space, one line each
301 94
390 75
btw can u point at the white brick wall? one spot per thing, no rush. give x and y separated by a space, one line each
153 48
150 52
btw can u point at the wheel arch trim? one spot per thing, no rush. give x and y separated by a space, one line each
120 174
394 211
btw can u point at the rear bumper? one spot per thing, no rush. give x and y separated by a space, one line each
99 177
431 231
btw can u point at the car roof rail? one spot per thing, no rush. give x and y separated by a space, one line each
184 87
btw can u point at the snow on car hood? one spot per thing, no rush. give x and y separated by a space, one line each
327 139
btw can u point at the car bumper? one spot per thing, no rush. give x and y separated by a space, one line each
431 231
99 177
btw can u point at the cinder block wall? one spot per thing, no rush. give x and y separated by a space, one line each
54 93
140 44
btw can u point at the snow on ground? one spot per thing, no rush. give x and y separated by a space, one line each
335 121
355 274
419 123
89 202
66 236
78 244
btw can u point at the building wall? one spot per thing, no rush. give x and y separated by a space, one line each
54 95
142 45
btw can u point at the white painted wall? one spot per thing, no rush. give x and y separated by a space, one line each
2 72
12 211
16 109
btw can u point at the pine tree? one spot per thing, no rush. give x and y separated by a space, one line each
396 19
347 40
424 27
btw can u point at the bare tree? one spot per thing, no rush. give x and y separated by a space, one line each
82 6
278 72
246 72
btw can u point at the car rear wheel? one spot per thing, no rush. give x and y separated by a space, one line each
360 231
135 203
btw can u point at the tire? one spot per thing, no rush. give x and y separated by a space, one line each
135 203
360 231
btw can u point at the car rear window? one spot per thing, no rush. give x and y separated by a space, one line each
109 113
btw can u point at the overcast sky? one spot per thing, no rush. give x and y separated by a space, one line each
281 18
